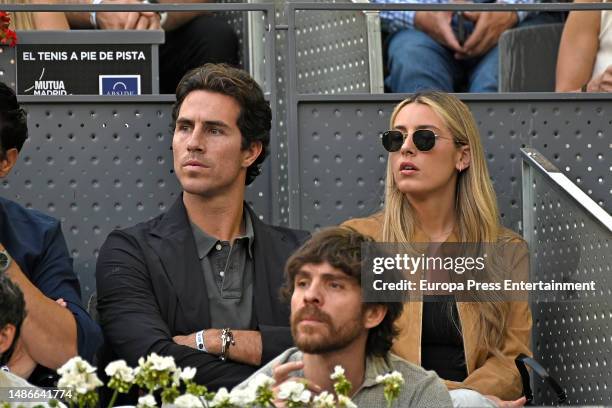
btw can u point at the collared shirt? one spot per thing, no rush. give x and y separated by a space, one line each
228 274
395 20
421 388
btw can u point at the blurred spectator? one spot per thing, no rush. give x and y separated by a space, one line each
33 254
448 51
192 38
36 21
12 313
585 54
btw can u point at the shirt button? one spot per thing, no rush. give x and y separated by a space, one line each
221 273
218 247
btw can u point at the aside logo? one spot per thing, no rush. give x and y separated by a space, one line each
119 84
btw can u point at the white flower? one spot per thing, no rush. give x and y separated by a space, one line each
120 370
261 380
243 397
76 365
397 376
188 373
161 363
294 391
221 397
148 401
78 375
345 402
393 377
324 400
188 401
338 372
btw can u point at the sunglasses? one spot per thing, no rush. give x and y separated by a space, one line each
424 140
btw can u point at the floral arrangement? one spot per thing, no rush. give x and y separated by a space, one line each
178 389
7 36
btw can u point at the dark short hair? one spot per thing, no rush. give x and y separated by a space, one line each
341 248
255 119
13 121
12 306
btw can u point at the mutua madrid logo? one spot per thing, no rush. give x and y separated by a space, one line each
44 87
119 84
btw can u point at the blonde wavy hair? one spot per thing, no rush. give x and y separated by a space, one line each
475 204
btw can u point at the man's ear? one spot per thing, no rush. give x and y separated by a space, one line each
7 335
374 315
8 161
251 153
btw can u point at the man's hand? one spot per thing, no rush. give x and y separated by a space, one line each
127 20
21 363
188 340
437 24
488 27
506 404
280 374
602 82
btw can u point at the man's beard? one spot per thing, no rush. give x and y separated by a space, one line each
317 340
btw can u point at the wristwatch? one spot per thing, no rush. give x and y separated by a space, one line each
5 261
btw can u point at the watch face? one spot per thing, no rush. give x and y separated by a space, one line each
4 261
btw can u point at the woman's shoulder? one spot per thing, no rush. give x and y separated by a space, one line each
507 235
371 225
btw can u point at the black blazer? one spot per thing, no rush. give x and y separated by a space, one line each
151 287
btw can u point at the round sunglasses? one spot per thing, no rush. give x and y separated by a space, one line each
423 139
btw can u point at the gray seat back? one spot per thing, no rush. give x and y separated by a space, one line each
528 58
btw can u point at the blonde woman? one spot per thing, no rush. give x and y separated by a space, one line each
26 20
438 190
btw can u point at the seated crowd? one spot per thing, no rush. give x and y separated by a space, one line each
442 50
201 281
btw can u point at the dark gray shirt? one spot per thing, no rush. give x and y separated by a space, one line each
228 274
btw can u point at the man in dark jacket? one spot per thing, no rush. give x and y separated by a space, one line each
200 282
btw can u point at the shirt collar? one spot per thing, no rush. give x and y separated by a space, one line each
375 366
205 243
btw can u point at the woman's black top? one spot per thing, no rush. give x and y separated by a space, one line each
441 341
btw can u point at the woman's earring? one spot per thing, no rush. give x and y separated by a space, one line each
460 168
